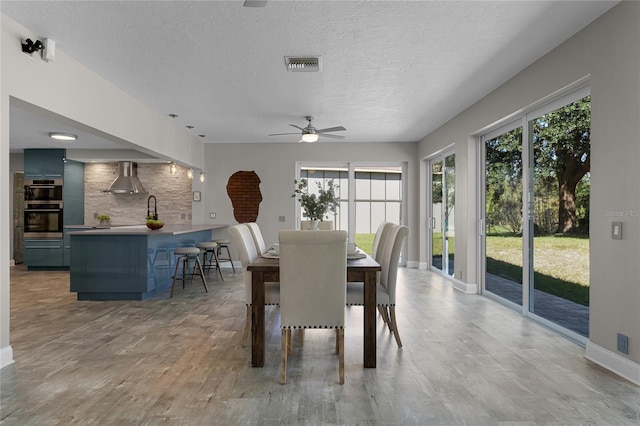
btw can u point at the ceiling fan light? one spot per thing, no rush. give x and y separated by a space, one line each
63 136
310 137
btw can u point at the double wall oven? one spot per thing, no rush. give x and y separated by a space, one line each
43 208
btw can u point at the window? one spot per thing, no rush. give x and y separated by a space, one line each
369 194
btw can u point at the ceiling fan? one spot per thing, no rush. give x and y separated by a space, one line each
311 134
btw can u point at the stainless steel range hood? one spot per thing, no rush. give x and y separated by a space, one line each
127 181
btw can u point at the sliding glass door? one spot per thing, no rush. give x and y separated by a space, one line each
442 213
503 251
539 262
558 238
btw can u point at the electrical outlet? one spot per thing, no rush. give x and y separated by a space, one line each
212 215
623 343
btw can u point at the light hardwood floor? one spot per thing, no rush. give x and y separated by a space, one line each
466 361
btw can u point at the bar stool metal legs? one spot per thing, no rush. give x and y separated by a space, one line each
184 255
210 248
224 244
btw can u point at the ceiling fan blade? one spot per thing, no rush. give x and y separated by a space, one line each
255 3
331 129
281 134
297 127
326 135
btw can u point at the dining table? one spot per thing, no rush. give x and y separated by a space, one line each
267 269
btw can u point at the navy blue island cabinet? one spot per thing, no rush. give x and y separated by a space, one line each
129 262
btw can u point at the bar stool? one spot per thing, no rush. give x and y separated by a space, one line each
224 244
184 255
210 248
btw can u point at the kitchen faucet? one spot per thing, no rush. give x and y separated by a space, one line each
155 208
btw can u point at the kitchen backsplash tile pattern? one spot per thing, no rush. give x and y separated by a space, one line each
173 192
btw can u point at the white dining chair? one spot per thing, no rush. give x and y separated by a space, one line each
380 238
386 285
246 249
258 239
313 279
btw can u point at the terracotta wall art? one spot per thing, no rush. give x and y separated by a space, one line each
243 189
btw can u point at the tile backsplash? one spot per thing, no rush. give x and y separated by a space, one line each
173 192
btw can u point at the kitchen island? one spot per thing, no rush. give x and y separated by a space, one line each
128 262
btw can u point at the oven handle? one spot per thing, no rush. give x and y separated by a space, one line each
42 186
42 210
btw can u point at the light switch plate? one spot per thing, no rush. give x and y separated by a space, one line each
616 230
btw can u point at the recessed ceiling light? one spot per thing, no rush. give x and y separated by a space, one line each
63 136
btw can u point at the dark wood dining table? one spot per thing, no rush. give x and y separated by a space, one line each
268 270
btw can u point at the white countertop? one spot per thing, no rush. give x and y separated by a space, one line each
167 229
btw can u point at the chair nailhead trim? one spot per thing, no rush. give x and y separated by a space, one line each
312 326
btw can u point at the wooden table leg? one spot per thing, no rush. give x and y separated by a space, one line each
257 318
370 319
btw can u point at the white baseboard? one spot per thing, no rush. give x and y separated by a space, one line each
468 288
423 265
613 362
412 264
12 262
6 356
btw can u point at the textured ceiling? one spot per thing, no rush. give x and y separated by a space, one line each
393 71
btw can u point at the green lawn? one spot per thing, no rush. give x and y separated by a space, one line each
364 242
561 263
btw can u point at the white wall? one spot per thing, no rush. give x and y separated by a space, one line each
607 51
275 164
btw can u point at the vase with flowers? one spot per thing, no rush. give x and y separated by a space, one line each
316 206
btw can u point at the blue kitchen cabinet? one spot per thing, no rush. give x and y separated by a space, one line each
73 193
44 163
52 254
66 245
44 254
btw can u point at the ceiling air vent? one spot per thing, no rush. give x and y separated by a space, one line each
303 64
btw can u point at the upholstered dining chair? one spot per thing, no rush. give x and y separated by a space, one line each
258 239
380 238
313 279
386 285
246 249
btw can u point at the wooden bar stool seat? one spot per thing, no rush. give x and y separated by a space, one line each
210 248
184 255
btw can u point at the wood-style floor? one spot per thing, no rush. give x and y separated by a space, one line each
466 361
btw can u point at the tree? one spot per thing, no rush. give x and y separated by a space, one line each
561 143
504 180
561 154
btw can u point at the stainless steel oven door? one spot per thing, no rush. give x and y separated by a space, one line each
43 220
43 190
